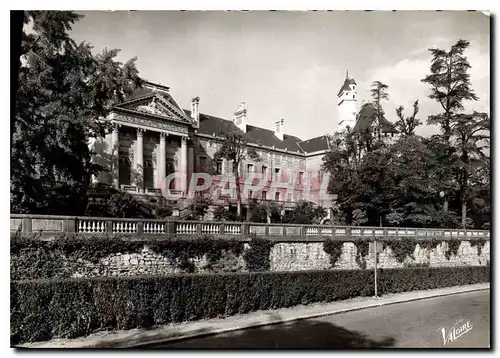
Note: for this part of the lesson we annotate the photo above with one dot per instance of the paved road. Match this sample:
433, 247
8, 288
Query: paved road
406, 325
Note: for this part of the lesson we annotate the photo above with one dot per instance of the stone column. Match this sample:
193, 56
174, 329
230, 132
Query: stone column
114, 156
139, 160
184, 162
160, 182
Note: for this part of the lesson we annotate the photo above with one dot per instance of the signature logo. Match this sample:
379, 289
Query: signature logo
457, 330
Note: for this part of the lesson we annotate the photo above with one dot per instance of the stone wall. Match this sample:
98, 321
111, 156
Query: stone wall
311, 256
283, 257
148, 262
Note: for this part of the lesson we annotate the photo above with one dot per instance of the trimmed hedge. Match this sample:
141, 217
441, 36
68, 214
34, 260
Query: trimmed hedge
69, 308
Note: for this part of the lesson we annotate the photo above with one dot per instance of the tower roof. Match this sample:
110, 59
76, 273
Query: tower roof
348, 81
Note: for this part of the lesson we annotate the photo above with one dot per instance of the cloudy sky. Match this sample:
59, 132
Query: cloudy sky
291, 64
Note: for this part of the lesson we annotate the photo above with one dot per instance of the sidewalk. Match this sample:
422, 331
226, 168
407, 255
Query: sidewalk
141, 337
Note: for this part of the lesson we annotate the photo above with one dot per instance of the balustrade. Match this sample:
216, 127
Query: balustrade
91, 226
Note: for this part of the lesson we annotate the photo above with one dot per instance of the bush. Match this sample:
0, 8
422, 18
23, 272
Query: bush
334, 249
257, 255
69, 308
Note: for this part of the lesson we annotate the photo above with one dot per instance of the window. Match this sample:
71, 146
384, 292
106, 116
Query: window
234, 167
301, 177
264, 195
277, 196
249, 168
264, 170
250, 194
276, 173
218, 168
353, 96
289, 197
392, 134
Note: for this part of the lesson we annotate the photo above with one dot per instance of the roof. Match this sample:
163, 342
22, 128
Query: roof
315, 144
345, 87
367, 115
210, 125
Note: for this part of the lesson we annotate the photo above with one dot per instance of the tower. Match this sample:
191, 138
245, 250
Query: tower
347, 103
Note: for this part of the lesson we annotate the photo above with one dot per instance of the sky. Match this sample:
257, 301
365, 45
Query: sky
291, 65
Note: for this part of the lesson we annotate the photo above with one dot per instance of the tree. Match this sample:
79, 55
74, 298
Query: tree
472, 139
197, 208
63, 92
450, 84
264, 211
379, 92
305, 213
235, 149
407, 125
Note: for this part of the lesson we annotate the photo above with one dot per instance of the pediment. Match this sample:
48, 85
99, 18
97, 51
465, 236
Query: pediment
158, 105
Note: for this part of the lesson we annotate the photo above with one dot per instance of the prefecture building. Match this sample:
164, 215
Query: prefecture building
152, 137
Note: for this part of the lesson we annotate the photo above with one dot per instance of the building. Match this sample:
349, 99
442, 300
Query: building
153, 138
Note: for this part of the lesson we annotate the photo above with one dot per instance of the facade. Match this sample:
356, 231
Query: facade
157, 150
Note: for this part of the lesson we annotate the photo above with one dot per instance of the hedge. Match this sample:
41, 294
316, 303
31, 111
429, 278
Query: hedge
69, 308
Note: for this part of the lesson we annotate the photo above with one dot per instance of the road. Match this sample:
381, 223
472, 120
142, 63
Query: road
414, 324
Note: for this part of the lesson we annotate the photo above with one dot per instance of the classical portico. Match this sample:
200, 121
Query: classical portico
148, 141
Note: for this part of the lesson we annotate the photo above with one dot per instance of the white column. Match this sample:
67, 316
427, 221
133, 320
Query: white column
139, 160
184, 160
114, 155
160, 181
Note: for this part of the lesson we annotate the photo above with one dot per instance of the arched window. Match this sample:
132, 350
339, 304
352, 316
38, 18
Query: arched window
124, 171
170, 168
148, 174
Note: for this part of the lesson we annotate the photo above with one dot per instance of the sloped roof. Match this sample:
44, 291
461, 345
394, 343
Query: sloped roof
367, 115
211, 125
345, 87
315, 144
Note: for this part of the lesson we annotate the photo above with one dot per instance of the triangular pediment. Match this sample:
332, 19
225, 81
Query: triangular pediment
157, 104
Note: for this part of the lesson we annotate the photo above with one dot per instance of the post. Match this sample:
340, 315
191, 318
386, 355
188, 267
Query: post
376, 256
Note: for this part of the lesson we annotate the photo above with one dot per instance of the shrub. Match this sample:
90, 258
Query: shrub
257, 255
334, 249
453, 246
402, 248
69, 308
479, 243
362, 246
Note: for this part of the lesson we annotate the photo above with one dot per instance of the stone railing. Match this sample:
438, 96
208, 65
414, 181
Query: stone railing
51, 226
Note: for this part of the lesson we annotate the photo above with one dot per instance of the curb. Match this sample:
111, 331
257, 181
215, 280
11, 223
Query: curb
256, 322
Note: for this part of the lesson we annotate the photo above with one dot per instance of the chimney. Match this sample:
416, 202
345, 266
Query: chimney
195, 113
279, 129
240, 117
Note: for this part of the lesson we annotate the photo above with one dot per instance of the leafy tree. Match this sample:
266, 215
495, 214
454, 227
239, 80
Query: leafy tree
63, 90
305, 213
235, 149
197, 208
379, 92
124, 205
223, 214
472, 139
264, 211
449, 83
407, 125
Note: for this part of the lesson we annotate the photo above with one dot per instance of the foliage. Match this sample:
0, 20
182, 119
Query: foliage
197, 208
223, 214
450, 84
407, 125
379, 92
305, 212
402, 248
453, 246
334, 249
257, 255
479, 243
362, 247
69, 308
63, 92
261, 211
